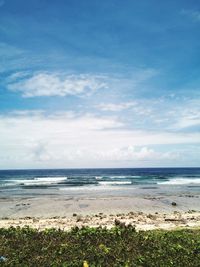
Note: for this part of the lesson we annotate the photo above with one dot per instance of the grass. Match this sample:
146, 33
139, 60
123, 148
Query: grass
119, 246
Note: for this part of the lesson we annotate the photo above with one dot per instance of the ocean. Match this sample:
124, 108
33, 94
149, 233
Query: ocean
126, 181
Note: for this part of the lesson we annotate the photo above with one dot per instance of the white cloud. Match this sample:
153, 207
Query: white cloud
12, 57
56, 84
116, 107
62, 84
17, 75
164, 114
34, 140
8, 51
39, 152
193, 14
133, 154
145, 74
26, 113
186, 122
185, 115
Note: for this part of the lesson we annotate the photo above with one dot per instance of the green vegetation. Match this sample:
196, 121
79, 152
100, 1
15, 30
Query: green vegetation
120, 246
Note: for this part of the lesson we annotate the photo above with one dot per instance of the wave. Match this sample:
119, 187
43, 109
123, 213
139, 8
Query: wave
87, 188
99, 177
117, 177
181, 181
38, 181
51, 179
114, 182
124, 176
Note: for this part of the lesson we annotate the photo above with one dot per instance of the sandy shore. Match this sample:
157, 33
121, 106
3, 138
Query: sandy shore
60, 212
140, 220
48, 206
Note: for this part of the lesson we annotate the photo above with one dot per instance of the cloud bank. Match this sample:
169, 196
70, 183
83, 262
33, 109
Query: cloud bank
70, 140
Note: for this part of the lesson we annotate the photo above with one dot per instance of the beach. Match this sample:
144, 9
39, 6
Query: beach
95, 217
144, 213
146, 198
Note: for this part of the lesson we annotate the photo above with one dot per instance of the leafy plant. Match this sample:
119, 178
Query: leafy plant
120, 246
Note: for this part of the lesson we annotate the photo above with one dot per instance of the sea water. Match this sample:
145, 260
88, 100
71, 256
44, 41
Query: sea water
126, 181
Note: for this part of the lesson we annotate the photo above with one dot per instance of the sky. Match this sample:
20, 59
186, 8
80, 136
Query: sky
99, 83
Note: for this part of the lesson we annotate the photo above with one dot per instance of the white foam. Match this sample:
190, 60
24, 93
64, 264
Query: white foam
40, 181
83, 188
50, 179
118, 177
124, 176
92, 188
7, 184
98, 177
114, 182
181, 181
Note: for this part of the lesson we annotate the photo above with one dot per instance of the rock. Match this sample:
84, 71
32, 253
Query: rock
79, 218
173, 203
152, 217
174, 220
120, 224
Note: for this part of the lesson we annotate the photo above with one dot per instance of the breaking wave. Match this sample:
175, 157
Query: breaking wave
181, 181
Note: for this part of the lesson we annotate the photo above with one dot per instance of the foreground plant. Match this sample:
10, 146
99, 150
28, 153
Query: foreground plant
89, 247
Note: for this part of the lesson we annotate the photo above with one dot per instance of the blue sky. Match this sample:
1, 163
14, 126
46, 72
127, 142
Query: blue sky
99, 83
